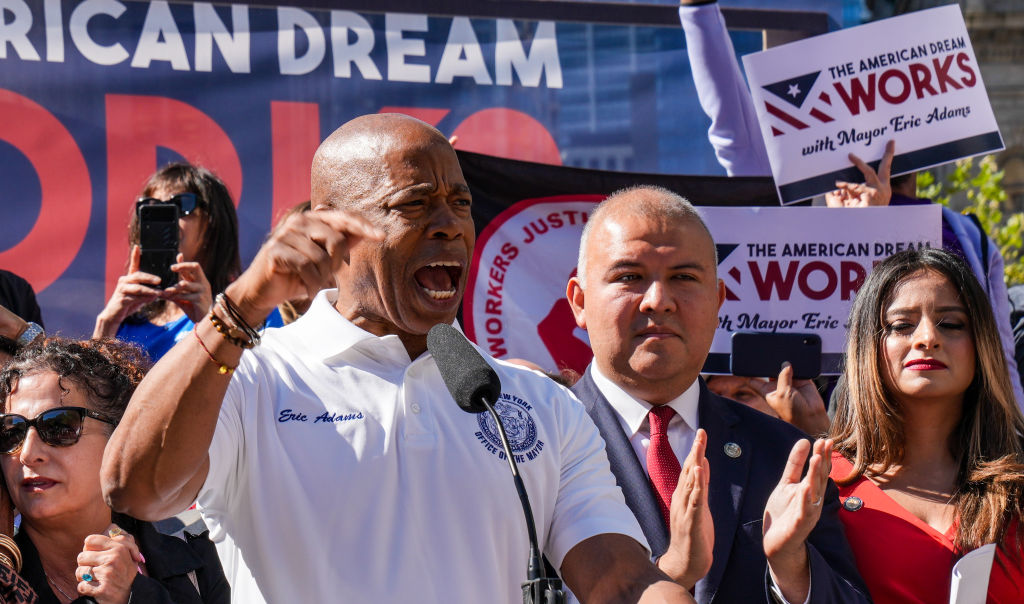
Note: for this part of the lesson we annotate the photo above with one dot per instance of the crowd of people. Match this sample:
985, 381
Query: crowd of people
329, 462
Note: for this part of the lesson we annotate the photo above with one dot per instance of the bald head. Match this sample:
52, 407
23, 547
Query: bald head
649, 202
350, 163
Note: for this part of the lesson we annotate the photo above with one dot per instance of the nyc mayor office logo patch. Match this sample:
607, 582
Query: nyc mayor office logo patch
520, 428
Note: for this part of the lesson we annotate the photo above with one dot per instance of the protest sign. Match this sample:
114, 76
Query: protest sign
798, 269
913, 79
785, 270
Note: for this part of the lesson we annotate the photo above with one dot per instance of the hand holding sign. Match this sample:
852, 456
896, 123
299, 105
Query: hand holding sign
913, 76
874, 191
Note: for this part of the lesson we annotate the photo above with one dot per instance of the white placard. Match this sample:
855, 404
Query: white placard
798, 269
969, 582
913, 79
786, 270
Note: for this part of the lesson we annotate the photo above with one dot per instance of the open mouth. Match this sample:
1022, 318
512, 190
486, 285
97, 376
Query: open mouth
440, 280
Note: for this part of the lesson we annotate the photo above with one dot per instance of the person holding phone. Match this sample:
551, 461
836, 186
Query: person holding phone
61, 400
794, 401
929, 442
207, 261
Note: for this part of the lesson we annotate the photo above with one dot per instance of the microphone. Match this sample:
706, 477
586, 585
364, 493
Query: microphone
475, 387
466, 374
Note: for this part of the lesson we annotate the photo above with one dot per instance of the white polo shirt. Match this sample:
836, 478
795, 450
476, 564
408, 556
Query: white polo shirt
341, 471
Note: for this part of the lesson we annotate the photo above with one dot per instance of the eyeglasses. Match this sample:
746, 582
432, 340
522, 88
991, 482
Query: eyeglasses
186, 202
59, 427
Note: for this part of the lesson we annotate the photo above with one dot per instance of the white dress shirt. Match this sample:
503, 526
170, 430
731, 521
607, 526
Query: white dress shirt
633, 417
682, 430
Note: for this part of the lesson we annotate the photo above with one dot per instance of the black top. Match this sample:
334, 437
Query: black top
16, 295
14, 589
169, 560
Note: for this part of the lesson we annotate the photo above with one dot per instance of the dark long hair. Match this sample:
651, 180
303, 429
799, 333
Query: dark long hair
987, 442
218, 255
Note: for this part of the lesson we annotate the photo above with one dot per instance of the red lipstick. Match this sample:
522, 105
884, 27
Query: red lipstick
924, 365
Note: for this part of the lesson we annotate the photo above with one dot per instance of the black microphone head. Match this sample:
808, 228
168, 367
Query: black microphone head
466, 374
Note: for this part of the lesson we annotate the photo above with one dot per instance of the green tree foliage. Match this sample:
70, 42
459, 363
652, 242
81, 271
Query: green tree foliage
982, 183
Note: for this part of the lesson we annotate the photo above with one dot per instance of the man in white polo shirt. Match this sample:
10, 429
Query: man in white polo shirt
331, 456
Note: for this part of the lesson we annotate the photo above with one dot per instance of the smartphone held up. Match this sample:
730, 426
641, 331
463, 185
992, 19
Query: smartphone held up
158, 241
761, 354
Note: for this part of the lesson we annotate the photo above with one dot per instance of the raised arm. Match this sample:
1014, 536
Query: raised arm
722, 91
11, 327
157, 459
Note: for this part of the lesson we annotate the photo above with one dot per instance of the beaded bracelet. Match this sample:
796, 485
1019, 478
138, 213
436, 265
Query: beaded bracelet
226, 332
236, 316
230, 322
221, 367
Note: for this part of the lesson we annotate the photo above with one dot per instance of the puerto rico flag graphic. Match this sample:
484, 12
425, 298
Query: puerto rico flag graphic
794, 92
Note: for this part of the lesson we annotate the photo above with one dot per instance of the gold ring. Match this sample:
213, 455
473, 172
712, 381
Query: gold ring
116, 531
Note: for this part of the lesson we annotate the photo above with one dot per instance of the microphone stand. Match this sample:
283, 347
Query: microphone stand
537, 589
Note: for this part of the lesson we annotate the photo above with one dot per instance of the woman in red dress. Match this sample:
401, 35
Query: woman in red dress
929, 441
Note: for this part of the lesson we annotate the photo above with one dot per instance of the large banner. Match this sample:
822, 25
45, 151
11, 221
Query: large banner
791, 269
913, 79
95, 95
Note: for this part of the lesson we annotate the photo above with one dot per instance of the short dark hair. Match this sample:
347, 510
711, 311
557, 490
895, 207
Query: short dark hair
652, 202
106, 370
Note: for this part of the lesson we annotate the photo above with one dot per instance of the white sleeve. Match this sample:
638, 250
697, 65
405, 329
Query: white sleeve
722, 92
589, 502
776, 591
226, 455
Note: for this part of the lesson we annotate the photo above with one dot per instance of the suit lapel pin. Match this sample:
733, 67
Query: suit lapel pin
852, 504
733, 450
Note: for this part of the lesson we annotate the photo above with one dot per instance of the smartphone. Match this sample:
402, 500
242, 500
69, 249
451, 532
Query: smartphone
158, 240
762, 353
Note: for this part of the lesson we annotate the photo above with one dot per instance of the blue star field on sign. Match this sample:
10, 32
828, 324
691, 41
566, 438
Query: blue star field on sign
794, 90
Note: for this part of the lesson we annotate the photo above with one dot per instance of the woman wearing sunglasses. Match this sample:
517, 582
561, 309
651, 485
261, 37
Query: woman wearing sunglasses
929, 441
61, 400
139, 311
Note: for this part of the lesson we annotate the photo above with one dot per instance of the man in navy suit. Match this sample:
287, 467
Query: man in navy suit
738, 519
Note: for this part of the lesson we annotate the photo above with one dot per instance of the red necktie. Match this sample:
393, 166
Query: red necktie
662, 463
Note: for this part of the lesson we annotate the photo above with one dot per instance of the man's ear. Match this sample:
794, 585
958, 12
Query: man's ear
721, 293
574, 292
